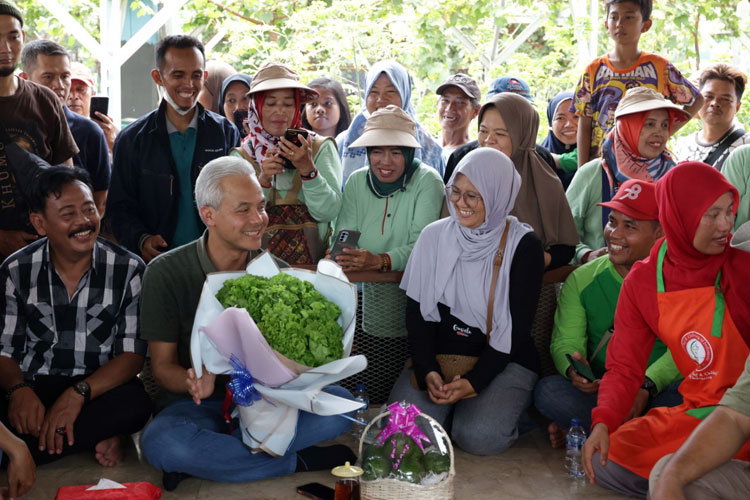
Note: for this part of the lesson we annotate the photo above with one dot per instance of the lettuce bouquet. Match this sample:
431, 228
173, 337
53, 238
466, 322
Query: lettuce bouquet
295, 319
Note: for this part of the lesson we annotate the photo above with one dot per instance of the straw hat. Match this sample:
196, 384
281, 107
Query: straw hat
388, 126
272, 76
638, 99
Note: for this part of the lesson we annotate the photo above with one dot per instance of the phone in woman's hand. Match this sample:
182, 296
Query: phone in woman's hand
345, 239
291, 136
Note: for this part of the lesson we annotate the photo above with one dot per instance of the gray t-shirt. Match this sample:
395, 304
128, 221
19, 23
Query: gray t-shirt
693, 148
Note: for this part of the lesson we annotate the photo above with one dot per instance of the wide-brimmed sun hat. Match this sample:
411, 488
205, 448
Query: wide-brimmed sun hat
388, 126
639, 99
272, 76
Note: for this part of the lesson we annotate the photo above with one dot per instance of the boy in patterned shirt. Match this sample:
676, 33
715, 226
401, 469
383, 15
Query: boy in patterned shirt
607, 78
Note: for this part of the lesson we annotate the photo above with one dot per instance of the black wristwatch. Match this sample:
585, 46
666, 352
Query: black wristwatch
84, 389
650, 386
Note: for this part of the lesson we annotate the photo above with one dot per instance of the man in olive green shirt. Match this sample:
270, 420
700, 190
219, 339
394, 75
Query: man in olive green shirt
190, 436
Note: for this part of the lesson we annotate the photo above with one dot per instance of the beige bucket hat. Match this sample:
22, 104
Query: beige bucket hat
638, 99
272, 76
389, 126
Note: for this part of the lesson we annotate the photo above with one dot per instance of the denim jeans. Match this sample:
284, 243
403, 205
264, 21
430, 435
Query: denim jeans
557, 399
185, 437
486, 424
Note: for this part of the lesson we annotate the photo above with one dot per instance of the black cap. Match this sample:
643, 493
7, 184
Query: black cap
9, 8
464, 82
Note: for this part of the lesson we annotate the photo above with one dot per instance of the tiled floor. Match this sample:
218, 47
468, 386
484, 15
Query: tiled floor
529, 470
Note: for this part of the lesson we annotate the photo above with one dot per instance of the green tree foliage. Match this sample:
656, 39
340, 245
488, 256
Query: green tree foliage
433, 38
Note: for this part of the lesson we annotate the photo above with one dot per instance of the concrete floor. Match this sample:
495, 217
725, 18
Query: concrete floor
529, 470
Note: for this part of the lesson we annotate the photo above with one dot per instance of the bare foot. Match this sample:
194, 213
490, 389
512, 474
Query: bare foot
109, 451
556, 435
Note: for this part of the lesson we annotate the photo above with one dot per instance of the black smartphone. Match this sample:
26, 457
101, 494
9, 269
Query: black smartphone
240, 115
345, 239
99, 103
581, 369
291, 136
316, 491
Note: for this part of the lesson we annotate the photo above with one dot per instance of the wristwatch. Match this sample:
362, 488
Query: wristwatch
650, 386
84, 389
312, 175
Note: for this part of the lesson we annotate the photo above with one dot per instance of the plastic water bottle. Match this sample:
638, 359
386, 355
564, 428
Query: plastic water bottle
573, 443
360, 394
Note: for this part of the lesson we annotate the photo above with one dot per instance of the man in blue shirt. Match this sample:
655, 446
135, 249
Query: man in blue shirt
157, 158
47, 63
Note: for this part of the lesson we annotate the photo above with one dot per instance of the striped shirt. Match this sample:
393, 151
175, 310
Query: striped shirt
50, 333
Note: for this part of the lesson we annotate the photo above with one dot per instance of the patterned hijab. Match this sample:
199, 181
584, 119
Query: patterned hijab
621, 158
258, 141
541, 201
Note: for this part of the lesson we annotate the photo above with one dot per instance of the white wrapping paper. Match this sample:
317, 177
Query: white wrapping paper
270, 424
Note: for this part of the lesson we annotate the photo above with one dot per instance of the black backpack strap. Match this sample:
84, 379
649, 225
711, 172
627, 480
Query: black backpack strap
727, 141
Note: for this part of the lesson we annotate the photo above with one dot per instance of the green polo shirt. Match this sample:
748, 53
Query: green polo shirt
183, 148
585, 313
172, 286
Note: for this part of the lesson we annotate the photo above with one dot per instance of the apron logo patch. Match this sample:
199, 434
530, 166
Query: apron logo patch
699, 349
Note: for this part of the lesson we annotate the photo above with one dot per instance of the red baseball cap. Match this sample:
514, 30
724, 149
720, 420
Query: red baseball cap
636, 199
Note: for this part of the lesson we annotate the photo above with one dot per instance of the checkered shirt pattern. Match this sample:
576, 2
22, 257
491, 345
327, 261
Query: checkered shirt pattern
49, 333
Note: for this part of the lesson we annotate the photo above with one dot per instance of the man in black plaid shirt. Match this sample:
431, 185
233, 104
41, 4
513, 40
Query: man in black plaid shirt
70, 347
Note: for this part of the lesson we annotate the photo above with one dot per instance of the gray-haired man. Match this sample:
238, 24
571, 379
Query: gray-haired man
233, 208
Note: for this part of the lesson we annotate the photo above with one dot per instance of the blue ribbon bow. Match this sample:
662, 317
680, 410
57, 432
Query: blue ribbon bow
241, 382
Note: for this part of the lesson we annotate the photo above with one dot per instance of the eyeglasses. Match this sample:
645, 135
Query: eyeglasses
471, 199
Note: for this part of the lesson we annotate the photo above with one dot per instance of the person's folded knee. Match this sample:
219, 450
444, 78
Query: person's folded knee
482, 445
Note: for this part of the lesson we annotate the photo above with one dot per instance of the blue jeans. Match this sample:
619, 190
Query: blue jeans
487, 424
185, 437
557, 399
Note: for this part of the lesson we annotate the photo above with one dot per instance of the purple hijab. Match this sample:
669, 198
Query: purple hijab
450, 260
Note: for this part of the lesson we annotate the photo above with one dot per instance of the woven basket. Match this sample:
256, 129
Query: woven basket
393, 489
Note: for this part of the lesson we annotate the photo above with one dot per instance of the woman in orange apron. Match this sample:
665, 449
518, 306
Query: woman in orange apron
688, 294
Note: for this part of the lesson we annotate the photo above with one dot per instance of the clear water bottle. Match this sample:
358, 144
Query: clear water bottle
573, 443
360, 394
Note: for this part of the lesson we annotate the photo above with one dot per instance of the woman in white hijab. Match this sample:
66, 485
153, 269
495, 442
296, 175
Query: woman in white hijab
472, 282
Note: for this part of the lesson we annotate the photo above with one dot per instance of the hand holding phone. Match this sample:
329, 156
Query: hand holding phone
581, 368
345, 239
291, 136
98, 103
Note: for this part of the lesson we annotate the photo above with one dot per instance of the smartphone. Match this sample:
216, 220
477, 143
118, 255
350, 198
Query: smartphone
291, 136
316, 491
240, 115
581, 369
345, 239
99, 103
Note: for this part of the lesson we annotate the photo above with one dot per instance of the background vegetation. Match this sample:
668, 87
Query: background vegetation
432, 38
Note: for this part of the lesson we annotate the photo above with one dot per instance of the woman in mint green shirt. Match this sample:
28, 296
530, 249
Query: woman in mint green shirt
389, 201
300, 174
